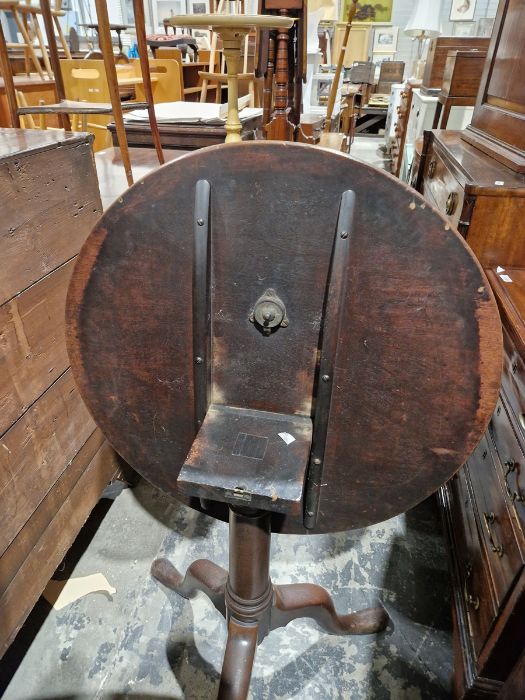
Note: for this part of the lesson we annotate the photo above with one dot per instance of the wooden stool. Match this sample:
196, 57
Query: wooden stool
296, 344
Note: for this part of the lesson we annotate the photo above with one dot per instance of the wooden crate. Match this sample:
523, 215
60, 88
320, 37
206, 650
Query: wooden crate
54, 462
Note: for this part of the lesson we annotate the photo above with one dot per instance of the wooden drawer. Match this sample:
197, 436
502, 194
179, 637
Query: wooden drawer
504, 556
475, 582
513, 382
511, 457
443, 188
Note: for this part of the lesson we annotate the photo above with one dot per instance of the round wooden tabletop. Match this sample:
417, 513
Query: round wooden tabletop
418, 354
219, 22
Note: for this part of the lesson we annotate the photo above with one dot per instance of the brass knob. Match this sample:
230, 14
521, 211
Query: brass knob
269, 312
431, 168
452, 201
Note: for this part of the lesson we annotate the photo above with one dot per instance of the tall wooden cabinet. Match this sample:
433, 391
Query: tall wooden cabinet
54, 462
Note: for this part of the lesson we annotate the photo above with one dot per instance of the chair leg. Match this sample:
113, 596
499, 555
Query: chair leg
140, 28
104, 36
62, 38
27, 41
42, 44
9, 85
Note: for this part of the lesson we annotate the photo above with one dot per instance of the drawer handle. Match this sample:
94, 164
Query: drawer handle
452, 202
431, 168
470, 600
510, 465
489, 519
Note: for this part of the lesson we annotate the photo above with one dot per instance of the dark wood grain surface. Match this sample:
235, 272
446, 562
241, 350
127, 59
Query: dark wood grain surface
419, 356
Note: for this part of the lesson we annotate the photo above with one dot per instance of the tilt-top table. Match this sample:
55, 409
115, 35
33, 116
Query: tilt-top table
281, 336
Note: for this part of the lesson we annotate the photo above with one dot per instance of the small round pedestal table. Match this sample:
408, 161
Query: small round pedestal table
232, 29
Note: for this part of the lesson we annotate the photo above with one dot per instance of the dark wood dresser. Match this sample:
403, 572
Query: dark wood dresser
484, 514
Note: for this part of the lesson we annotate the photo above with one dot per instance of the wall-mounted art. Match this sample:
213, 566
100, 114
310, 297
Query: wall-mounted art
385, 39
462, 10
379, 11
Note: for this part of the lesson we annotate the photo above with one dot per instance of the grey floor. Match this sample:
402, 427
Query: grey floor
146, 642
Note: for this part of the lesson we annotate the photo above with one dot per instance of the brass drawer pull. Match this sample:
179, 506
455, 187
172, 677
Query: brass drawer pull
489, 519
431, 168
470, 600
510, 465
452, 202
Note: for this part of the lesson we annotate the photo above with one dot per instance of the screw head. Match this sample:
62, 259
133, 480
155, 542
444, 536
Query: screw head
200, 222
325, 377
198, 360
344, 234
317, 460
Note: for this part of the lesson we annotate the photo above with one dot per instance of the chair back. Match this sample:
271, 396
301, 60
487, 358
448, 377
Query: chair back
168, 86
86, 81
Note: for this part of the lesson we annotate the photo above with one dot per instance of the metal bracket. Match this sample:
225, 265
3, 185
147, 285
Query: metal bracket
201, 302
333, 306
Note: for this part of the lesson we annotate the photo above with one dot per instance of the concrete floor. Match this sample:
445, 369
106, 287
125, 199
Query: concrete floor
146, 642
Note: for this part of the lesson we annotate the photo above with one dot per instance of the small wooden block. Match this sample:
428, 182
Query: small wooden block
247, 457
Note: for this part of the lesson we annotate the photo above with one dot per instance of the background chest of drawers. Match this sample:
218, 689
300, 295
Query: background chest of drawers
484, 513
484, 199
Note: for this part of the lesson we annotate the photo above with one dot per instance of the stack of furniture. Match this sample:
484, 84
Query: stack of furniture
417, 112
64, 107
461, 79
437, 58
476, 178
54, 462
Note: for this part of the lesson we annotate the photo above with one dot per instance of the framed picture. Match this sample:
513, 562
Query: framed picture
464, 29
378, 58
380, 11
462, 10
203, 38
199, 7
385, 39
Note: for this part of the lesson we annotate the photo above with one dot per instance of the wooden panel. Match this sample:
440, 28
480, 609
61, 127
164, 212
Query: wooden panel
498, 122
37, 449
357, 45
21, 547
50, 201
475, 584
511, 456
493, 231
443, 187
504, 555
513, 382
32, 344
26, 586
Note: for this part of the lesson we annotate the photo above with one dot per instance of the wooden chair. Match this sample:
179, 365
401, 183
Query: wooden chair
220, 77
25, 17
65, 107
168, 86
86, 81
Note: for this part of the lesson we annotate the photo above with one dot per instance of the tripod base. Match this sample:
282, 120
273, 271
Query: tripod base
252, 605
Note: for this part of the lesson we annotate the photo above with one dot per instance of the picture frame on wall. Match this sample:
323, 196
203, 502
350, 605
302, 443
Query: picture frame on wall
462, 10
464, 29
380, 11
199, 7
385, 39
